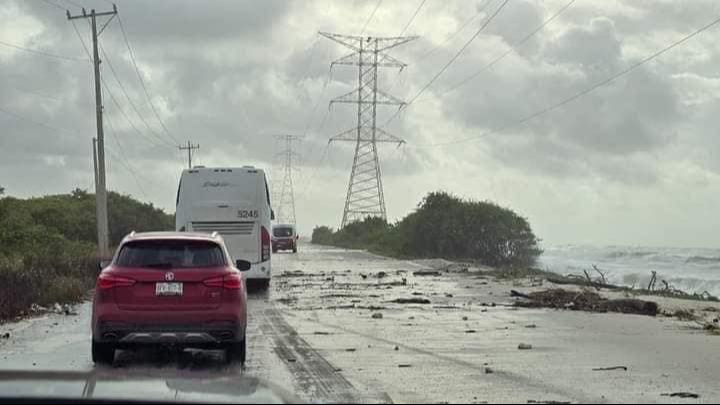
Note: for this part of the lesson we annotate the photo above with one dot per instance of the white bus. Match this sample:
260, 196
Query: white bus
235, 202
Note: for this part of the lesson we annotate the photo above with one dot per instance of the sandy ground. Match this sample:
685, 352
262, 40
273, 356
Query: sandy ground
460, 348
314, 334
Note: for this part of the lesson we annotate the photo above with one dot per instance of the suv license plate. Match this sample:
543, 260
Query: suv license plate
169, 289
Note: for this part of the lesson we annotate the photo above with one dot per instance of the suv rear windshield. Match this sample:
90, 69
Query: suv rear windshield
171, 253
283, 232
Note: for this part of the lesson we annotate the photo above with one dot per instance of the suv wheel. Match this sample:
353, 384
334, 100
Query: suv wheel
102, 353
237, 352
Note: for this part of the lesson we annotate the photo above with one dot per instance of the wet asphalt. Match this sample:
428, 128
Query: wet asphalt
343, 326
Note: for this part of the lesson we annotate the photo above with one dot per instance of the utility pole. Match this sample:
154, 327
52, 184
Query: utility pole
101, 184
190, 148
95, 165
286, 204
365, 196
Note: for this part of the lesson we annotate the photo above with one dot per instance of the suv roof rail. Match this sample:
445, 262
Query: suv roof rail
132, 234
214, 235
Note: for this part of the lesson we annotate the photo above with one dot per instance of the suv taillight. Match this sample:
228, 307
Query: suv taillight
264, 244
231, 282
107, 281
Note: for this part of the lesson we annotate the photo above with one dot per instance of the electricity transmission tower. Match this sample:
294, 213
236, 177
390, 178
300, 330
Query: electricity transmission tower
365, 195
286, 198
100, 178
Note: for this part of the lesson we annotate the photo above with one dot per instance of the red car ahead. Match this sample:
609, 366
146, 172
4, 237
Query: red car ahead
178, 289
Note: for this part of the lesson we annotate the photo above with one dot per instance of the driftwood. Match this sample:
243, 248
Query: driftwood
584, 301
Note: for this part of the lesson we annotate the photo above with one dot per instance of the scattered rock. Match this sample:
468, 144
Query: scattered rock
322, 333
470, 331
364, 276
523, 346
417, 293
532, 326
397, 348
412, 318
291, 360
488, 370
484, 310
448, 295
377, 316
6, 335
493, 305
464, 318
351, 350
404, 365
381, 274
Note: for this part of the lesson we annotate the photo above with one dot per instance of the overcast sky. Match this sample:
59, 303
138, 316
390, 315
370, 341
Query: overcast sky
634, 162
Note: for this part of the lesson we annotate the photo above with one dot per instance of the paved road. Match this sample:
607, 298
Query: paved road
318, 333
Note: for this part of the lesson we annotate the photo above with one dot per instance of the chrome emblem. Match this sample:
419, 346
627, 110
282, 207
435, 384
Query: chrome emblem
169, 276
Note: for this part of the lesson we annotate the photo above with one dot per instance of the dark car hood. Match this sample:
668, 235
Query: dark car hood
141, 386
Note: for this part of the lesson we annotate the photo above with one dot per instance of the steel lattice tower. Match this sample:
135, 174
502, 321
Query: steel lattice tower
365, 195
286, 197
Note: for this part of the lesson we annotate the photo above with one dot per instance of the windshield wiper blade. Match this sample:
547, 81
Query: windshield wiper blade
158, 265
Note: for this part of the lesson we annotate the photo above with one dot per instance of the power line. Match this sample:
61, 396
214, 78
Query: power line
588, 89
76, 4
450, 62
127, 118
372, 15
115, 101
54, 4
42, 53
124, 160
459, 30
142, 82
127, 96
460, 52
417, 10
32, 121
521, 42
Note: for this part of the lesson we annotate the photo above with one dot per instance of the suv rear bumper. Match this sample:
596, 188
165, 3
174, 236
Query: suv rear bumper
208, 335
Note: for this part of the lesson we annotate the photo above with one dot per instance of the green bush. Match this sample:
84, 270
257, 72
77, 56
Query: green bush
444, 226
48, 245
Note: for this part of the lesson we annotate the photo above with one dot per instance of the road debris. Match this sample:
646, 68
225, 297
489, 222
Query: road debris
447, 295
423, 301
683, 395
471, 331
583, 301
351, 350
524, 346
464, 318
397, 348
488, 370
531, 326
404, 365
377, 316
611, 368
427, 273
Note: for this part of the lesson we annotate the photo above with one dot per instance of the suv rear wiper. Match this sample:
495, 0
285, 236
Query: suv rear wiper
159, 265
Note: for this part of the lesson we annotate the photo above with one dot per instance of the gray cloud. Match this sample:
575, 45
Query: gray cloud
229, 74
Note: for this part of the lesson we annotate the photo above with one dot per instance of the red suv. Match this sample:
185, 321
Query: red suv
177, 289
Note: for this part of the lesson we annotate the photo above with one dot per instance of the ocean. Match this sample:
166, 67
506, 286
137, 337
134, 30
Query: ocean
690, 270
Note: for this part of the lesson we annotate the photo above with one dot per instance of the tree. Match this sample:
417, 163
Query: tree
2, 190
